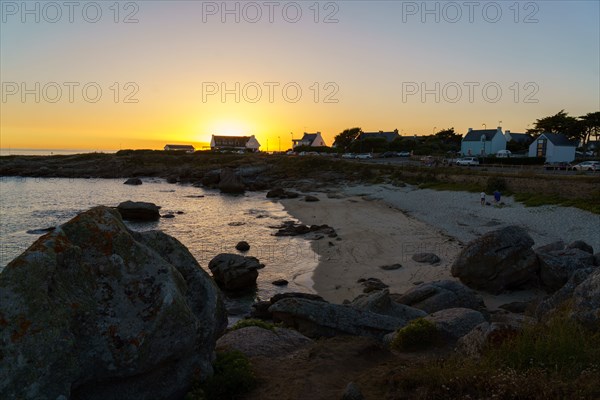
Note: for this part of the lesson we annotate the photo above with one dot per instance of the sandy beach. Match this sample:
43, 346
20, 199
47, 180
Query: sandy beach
381, 225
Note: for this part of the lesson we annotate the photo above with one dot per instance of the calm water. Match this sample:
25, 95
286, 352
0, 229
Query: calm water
210, 225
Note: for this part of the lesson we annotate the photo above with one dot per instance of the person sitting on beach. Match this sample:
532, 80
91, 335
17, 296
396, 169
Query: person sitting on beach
497, 196
483, 198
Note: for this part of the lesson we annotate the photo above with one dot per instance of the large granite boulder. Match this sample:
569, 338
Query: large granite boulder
379, 302
321, 319
551, 304
497, 261
229, 182
454, 323
139, 211
586, 302
557, 266
95, 311
254, 341
440, 295
235, 272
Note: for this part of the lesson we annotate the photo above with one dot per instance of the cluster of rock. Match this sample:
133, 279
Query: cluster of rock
93, 310
291, 228
505, 260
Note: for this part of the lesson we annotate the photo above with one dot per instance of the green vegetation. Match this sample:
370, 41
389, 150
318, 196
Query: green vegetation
244, 323
540, 199
557, 360
419, 334
233, 377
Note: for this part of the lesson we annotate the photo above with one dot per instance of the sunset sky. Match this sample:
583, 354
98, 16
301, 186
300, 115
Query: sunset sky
148, 73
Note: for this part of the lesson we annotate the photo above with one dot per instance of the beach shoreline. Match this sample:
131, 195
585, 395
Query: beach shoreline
381, 225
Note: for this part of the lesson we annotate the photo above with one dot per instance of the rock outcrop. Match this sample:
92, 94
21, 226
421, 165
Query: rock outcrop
229, 182
454, 323
95, 311
557, 266
254, 341
380, 302
440, 295
321, 319
138, 211
235, 272
133, 181
586, 302
497, 261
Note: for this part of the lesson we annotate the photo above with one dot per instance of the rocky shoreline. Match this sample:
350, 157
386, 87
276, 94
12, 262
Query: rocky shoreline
94, 310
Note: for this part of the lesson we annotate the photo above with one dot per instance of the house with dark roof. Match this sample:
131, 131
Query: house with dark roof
388, 136
244, 143
483, 142
310, 140
179, 147
556, 147
521, 138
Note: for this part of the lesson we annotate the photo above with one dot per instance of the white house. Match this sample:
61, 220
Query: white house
179, 147
483, 142
554, 146
245, 143
310, 139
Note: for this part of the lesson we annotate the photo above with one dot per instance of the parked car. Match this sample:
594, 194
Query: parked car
467, 161
587, 166
558, 166
364, 156
389, 154
404, 154
348, 155
503, 153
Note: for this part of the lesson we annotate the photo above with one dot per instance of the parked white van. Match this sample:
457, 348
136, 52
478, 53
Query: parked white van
503, 153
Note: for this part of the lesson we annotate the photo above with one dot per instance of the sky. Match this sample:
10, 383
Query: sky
109, 75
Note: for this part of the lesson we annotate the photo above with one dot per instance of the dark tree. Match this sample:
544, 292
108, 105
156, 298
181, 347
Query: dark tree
345, 139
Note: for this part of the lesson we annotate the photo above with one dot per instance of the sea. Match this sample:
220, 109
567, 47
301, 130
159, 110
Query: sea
206, 221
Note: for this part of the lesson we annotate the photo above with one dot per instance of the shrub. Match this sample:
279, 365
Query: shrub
419, 334
233, 377
495, 183
252, 322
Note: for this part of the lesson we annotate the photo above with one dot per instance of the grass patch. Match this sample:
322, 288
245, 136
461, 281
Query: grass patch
233, 377
419, 334
452, 186
244, 323
539, 199
556, 360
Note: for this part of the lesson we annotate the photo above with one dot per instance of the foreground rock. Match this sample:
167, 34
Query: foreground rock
439, 295
105, 313
455, 323
557, 266
497, 261
320, 319
553, 303
229, 182
380, 302
139, 211
235, 272
586, 302
254, 341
